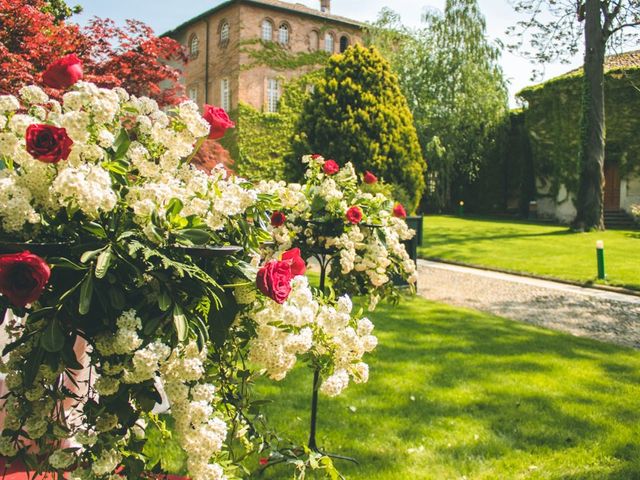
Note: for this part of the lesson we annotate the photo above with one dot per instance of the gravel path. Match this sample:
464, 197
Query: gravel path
607, 316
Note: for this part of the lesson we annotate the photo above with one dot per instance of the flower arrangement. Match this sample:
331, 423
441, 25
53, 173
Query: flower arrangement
135, 292
335, 211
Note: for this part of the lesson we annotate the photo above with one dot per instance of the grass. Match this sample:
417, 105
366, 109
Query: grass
456, 394
525, 247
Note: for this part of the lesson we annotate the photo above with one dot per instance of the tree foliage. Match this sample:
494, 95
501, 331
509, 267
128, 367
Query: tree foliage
32, 37
358, 113
450, 75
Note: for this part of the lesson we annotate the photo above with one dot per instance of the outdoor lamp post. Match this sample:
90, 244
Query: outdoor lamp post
600, 258
461, 208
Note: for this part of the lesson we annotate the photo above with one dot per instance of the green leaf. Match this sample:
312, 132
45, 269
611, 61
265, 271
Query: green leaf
220, 319
95, 229
174, 207
90, 255
117, 298
61, 262
180, 322
115, 167
164, 301
104, 262
122, 143
195, 236
52, 338
86, 293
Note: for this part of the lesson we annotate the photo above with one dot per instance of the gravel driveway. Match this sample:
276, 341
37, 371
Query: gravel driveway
607, 316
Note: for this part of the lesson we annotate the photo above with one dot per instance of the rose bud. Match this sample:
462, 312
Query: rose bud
369, 178
274, 280
399, 211
298, 265
354, 214
278, 219
330, 167
264, 461
63, 73
219, 121
23, 277
47, 143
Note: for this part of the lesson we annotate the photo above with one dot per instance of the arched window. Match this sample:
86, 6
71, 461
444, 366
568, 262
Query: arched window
313, 40
283, 34
344, 43
224, 32
194, 46
267, 30
328, 42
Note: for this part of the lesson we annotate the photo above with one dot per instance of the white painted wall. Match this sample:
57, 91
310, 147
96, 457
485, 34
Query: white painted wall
630, 192
561, 208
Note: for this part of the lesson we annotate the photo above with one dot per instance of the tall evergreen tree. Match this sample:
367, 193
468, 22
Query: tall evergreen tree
555, 29
358, 113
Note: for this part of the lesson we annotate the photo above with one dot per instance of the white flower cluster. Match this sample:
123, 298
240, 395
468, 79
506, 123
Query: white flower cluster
302, 325
200, 432
99, 123
371, 249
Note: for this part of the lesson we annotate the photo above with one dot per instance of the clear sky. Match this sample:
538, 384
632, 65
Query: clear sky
164, 15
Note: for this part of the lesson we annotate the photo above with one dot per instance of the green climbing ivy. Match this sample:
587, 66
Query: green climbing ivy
552, 123
279, 57
263, 140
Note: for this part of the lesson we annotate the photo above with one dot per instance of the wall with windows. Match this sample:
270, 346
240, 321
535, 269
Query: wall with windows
261, 86
233, 75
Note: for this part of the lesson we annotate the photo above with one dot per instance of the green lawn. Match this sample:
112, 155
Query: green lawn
457, 394
547, 250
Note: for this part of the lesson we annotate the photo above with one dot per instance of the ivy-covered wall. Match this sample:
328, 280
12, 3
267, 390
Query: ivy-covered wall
261, 140
552, 125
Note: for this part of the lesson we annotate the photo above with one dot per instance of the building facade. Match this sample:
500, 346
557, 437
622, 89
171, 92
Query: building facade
225, 45
552, 126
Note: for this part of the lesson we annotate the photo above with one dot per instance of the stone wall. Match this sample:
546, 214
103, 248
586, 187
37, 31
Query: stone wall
233, 60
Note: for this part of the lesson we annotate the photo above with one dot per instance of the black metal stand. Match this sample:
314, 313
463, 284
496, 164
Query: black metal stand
324, 258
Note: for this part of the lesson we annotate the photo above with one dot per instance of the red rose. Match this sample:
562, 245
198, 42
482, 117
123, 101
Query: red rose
399, 211
264, 461
23, 277
369, 178
219, 121
63, 73
354, 214
278, 219
316, 156
47, 143
274, 280
330, 167
298, 265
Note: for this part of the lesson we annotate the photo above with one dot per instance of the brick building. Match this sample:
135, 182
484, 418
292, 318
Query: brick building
222, 44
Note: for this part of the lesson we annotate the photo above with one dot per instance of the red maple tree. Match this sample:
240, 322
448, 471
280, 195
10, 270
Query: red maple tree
131, 56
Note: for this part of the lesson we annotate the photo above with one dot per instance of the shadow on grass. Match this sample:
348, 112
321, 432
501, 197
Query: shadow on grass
441, 374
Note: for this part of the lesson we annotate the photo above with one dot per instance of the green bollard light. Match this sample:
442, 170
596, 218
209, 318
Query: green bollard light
600, 257
461, 208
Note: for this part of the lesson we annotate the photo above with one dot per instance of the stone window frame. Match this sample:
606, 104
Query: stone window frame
194, 41
286, 25
332, 35
348, 38
192, 92
271, 23
272, 96
223, 26
312, 47
225, 94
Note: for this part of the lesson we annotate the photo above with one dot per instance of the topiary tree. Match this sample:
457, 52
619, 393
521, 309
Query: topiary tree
358, 113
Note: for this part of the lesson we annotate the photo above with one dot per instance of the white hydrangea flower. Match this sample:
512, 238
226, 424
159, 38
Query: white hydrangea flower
33, 95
